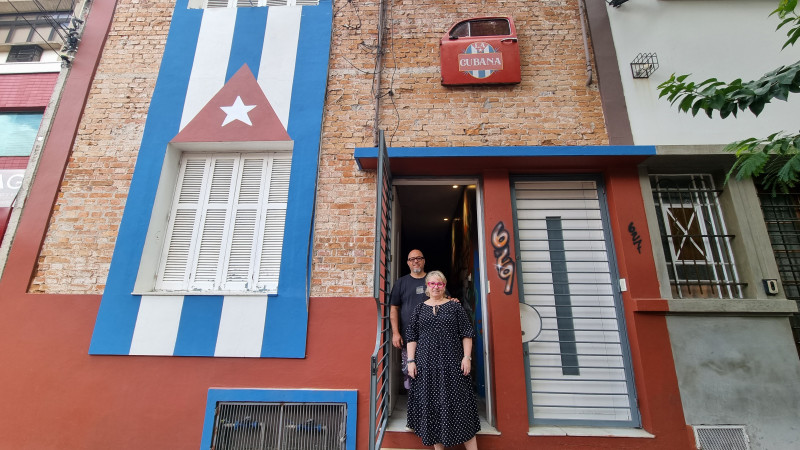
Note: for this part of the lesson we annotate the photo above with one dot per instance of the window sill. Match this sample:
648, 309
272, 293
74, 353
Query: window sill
30, 67
735, 306
551, 430
773, 307
270, 293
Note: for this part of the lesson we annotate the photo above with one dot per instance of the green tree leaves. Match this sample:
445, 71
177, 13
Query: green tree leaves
786, 12
776, 158
728, 98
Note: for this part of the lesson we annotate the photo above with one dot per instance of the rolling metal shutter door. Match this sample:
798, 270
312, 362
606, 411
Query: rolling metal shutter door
578, 366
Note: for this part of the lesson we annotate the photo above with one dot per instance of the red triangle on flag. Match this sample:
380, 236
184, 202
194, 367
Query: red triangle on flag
239, 112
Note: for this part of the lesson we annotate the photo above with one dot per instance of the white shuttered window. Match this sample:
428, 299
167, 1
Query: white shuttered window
226, 223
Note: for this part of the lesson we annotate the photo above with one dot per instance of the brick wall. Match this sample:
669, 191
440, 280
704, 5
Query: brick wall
552, 106
80, 240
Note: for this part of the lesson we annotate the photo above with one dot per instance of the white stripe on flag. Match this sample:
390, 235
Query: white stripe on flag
278, 58
210, 60
241, 327
157, 325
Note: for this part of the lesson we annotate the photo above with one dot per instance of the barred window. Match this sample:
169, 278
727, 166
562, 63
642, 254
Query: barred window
782, 219
279, 426
24, 53
693, 234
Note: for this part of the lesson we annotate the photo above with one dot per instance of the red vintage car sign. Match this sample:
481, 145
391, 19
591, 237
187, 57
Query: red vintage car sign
480, 51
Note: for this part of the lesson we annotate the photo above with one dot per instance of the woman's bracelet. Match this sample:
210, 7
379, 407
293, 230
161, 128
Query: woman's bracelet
468, 357
410, 361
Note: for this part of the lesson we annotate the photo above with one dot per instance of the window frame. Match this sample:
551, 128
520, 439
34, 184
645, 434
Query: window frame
467, 25
147, 278
24, 141
265, 205
728, 284
34, 25
218, 4
24, 53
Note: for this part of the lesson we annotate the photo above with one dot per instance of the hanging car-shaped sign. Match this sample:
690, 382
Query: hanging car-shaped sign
480, 51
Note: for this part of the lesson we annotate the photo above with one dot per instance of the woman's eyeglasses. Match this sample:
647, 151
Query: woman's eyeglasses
435, 284
416, 258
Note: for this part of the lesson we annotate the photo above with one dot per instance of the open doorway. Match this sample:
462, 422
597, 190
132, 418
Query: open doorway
441, 218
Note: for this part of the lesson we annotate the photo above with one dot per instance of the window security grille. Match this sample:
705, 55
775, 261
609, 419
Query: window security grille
24, 53
721, 437
696, 244
782, 218
279, 426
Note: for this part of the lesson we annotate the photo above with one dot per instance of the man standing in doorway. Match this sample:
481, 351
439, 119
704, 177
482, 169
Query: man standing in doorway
408, 291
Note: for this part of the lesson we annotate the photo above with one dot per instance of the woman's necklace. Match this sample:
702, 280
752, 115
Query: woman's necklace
437, 305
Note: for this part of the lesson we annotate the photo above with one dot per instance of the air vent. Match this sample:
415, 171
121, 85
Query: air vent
721, 437
279, 426
24, 53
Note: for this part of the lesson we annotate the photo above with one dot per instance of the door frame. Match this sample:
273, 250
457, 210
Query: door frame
483, 272
622, 327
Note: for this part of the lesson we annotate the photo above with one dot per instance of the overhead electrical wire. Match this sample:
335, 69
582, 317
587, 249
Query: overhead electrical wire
33, 27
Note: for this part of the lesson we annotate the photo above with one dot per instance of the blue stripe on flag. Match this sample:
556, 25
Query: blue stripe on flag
285, 329
116, 318
248, 40
197, 332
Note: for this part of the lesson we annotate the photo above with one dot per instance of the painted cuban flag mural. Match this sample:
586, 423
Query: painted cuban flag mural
212, 253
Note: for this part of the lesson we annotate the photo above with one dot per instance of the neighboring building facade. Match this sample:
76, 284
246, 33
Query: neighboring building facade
206, 273
717, 244
32, 34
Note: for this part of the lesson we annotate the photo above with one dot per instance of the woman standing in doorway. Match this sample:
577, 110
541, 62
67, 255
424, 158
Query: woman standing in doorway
441, 402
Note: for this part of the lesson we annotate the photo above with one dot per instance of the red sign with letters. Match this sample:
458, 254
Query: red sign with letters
480, 51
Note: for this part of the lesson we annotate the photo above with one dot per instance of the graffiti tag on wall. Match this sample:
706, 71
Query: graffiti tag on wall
637, 239
505, 265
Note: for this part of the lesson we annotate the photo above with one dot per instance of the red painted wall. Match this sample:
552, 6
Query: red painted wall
654, 371
59, 397
26, 90
5, 215
14, 162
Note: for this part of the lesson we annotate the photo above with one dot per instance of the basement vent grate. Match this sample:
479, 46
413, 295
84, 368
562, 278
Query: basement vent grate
279, 426
721, 437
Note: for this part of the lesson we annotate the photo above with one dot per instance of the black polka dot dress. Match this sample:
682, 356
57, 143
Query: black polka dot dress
441, 402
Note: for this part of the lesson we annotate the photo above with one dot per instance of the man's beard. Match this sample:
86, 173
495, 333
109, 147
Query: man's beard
416, 270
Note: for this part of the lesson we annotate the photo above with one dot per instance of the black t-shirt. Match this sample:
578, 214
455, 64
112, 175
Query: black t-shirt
407, 293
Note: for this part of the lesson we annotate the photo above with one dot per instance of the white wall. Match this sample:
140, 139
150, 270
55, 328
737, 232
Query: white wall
50, 62
724, 39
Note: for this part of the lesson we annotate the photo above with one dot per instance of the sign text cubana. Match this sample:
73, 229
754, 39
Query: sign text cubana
480, 61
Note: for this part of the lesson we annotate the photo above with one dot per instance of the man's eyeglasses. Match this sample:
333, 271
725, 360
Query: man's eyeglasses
416, 258
435, 284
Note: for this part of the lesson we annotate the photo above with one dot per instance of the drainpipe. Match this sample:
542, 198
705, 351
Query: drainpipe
378, 72
582, 10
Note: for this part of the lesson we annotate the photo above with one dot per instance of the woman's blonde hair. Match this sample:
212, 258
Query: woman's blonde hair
434, 274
